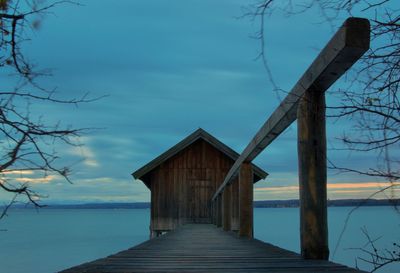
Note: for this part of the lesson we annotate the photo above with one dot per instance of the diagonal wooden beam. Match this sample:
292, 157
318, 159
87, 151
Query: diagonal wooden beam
349, 43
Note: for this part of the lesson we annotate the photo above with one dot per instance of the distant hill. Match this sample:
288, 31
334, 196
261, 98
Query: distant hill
136, 205
331, 203
257, 204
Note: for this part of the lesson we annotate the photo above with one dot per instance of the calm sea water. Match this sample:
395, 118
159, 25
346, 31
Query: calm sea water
51, 240
281, 227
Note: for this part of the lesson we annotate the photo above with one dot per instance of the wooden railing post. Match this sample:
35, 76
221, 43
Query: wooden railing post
219, 210
306, 102
215, 211
227, 207
349, 43
312, 175
246, 200
235, 206
212, 214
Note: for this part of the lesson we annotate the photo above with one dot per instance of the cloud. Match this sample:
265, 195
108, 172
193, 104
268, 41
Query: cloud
352, 191
278, 189
89, 158
17, 172
177, 71
362, 185
27, 176
43, 180
96, 180
96, 189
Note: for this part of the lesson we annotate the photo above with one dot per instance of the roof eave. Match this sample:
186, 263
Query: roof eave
199, 133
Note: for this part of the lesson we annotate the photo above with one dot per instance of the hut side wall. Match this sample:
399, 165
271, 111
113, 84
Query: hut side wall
182, 187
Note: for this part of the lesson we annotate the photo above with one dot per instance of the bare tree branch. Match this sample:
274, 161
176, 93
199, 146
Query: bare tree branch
370, 101
28, 144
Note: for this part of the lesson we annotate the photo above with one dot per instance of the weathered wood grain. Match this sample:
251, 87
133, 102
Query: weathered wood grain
219, 210
182, 186
246, 201
206, 248
227, 208
311, 141
189, 161
235, 206
183, 180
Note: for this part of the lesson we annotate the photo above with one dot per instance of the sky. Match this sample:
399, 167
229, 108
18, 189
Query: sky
164, 69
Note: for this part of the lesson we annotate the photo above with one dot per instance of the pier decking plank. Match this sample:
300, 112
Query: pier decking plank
205, 248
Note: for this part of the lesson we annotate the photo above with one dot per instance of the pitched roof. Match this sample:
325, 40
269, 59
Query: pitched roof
196, 135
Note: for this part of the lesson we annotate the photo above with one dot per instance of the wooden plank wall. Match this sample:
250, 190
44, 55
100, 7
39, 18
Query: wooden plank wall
182, 186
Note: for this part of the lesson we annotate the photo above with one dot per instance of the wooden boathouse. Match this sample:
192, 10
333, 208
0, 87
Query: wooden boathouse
201, 180
183, 180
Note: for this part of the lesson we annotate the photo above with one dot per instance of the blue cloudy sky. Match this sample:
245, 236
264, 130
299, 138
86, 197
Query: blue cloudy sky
168, 68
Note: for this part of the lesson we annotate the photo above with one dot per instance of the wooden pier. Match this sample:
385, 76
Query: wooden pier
201, 181
205, 248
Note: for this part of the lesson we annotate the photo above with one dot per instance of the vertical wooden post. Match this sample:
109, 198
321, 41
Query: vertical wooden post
227, 207
215, 212
152, 233
246, 200
235, 205
152, 211
312, 175
219, 211
211, 212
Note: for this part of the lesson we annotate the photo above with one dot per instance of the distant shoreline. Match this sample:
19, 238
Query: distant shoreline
257, 204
